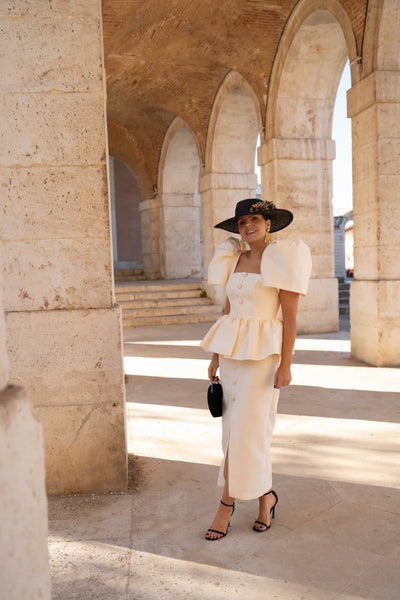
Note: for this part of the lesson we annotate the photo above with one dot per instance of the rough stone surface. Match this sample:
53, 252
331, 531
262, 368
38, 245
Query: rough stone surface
4, 362
64, 335
374, 309
24, 568
70, 364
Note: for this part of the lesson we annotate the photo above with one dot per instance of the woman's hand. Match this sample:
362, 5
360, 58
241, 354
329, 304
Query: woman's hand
282, 377
213, 367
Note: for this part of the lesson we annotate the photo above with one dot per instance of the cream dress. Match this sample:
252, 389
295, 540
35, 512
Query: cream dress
248, 342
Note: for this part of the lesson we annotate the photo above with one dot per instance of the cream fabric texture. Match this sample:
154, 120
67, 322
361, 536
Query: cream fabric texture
249, 342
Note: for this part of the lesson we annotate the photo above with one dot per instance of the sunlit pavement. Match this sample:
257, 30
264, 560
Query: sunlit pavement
336, 470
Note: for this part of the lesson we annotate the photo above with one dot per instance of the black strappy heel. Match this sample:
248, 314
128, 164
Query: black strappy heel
272, 513
221, 533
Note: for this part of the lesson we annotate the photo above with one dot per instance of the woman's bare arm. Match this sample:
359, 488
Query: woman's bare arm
289, 302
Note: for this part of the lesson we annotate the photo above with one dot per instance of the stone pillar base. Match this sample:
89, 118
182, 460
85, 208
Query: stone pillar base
318, 311
70, 363
24, 567
375, 322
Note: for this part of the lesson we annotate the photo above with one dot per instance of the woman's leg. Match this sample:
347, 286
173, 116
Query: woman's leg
266, 503
223, 515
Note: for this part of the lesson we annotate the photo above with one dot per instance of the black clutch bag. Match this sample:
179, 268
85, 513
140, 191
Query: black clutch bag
214, 398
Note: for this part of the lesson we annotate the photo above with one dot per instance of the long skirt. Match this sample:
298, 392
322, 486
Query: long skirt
249, 414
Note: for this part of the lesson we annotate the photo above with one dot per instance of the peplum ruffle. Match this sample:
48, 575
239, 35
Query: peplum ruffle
244, 338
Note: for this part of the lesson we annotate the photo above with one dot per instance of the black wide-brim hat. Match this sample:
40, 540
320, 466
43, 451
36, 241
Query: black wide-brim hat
279, 217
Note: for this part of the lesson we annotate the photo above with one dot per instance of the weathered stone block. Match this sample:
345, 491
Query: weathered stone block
24, 568
389, 156
71, 364
229, 181
57, 274
42, 8
378, 87
71, 129
303, 123
318, 311
51, 202
45, 53
4, 363
296, 149
84, 449
375, 321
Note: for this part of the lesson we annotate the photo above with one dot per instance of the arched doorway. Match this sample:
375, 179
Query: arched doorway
125, 218
180, 210
229, 173
296, 157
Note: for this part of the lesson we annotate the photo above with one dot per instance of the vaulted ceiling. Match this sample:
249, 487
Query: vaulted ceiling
168, 57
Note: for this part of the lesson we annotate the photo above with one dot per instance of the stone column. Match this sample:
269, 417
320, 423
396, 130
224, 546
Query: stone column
220, 193
297, 174
64, 331
180, 244
374, 105
149, 216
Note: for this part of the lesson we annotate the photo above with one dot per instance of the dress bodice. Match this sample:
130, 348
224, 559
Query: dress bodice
249, 298
252, 331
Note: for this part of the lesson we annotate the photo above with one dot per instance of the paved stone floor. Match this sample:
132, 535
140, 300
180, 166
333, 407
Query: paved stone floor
336, 534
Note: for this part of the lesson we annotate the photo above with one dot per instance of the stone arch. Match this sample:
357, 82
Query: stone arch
234, 119
381, 48
179, 204
321, 15
122, 146
296, 157
229, 176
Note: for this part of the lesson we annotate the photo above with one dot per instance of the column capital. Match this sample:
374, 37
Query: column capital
296, 149
230, 181
379, 86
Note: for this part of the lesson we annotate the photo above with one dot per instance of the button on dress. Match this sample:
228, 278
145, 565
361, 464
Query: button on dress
248, 341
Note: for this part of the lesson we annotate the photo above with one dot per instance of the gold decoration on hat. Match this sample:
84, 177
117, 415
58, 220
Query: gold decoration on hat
262, 205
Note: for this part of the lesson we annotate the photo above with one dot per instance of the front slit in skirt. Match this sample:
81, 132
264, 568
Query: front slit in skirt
249, 415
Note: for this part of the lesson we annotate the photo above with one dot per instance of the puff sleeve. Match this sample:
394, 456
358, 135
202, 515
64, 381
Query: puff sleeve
223, 261
286, 265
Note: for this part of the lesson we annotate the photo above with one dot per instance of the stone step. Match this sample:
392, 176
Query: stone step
134, 313
129, 275
169, 320
123, 296
162, 302
155, 286
130, 278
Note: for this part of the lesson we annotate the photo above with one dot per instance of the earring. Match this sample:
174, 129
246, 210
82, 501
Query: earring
267, 238
243, 246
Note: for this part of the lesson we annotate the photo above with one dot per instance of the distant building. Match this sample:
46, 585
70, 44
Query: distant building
343, 241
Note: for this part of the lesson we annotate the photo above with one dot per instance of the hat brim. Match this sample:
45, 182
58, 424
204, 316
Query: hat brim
280, 218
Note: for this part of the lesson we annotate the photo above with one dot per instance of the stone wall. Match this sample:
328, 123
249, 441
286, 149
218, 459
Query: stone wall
64, 333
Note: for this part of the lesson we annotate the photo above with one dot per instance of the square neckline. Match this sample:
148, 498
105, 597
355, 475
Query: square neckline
234, 272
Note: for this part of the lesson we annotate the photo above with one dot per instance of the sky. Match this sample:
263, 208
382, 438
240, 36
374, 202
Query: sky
341, 132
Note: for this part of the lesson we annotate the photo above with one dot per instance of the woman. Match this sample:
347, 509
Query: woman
253, 349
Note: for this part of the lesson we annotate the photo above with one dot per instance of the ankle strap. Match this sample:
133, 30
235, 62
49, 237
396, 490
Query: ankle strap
225, 504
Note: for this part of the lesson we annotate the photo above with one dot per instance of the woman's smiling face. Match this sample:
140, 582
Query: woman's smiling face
253, 227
